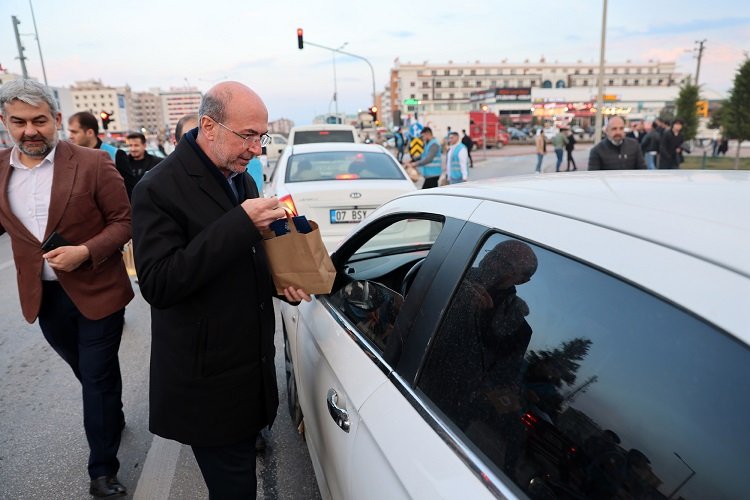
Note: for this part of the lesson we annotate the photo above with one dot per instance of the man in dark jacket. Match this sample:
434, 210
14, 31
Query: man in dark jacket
467, 141
197, 219
650, 143
616, 152
140, 160
670, 148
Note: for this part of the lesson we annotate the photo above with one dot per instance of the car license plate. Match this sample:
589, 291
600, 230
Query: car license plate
348, 215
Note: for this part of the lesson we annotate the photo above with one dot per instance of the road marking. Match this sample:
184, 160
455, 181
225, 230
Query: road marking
158, 470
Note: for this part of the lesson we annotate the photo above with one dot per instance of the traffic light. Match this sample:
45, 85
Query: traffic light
300, 45
106, 118
374, 113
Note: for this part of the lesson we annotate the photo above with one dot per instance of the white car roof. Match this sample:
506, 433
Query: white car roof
318, 147
702, 213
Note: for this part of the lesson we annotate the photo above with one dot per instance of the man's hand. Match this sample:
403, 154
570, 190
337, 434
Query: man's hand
263, 211
67, 258
296, 294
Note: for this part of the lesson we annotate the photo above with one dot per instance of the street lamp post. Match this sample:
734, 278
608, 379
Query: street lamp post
335, 84
38, 43
600, 93
372, 70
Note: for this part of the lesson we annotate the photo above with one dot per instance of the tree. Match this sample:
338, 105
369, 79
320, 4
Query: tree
685, 109
547, 371
736, 114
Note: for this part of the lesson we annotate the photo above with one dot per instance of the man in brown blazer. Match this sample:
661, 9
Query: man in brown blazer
77, 286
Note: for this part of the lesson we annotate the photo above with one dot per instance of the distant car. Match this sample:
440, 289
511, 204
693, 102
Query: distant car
517, 134
561, 336
276, 146
307, 134
337, 184
155, 152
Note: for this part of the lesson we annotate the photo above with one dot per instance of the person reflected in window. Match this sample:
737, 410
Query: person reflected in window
480, 350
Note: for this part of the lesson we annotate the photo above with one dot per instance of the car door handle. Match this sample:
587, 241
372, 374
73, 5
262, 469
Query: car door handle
339, 415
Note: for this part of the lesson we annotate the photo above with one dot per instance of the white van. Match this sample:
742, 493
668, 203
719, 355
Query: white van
306, 134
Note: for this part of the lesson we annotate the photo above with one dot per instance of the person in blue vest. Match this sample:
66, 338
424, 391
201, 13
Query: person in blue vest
400, 143
429, 164
457, 160
83, 130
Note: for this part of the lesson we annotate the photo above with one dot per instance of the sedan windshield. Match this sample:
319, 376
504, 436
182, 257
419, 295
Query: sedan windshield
342, 165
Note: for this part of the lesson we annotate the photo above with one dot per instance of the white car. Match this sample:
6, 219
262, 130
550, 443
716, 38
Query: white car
307, 134
562, 336
276, 146
337, 184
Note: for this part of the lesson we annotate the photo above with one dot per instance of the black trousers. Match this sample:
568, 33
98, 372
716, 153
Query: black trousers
430, 182
90, 348
229, 471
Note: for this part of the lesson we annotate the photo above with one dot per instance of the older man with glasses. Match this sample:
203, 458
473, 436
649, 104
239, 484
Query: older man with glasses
197, 219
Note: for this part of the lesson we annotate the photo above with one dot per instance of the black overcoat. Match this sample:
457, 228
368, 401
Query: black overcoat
202, 268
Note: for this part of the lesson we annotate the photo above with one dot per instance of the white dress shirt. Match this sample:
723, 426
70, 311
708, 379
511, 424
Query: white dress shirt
29, 192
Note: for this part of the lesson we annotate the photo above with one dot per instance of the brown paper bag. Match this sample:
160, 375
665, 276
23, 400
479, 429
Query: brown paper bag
299, 260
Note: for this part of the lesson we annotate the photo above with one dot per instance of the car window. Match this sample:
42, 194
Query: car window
314, 136
379, 274
342, 165
576, 384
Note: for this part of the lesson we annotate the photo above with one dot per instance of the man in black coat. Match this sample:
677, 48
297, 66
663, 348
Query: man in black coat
670, 148
616, 152
141, 161
196, 230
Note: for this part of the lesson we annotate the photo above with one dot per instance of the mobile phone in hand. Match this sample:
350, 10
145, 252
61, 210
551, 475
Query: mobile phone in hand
54, 241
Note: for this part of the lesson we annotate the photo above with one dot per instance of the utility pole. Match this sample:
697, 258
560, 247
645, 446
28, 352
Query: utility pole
20, 57
700, 55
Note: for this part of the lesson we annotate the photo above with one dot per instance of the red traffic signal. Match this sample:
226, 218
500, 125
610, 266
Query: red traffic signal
300, 45
106, 118
374, 113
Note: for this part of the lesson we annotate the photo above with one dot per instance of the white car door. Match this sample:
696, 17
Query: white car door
335, 377
398, 455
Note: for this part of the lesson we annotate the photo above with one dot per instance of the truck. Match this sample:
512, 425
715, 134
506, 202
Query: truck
473, 122
496, 133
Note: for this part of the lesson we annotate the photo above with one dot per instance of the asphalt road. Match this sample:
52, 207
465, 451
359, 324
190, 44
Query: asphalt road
43, 449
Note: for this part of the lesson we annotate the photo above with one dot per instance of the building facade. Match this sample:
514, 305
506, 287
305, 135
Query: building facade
95, 97
178, 102
145, 112
280, 126
521, 91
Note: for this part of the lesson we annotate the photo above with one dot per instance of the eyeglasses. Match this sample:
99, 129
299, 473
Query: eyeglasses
263, 139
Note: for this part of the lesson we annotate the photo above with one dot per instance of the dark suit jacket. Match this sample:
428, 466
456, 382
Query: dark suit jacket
202, 268
88, 206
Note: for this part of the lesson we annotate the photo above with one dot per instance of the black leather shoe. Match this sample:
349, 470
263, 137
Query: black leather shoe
107, 487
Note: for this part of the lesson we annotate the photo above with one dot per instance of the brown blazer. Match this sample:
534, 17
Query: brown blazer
88, 206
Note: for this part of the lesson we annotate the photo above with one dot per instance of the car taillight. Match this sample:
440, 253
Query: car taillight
288, 202
529, 420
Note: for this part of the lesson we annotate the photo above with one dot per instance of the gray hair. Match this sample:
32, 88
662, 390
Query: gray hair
213, 105
30, 92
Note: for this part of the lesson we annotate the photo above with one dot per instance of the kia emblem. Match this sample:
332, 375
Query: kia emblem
355, 195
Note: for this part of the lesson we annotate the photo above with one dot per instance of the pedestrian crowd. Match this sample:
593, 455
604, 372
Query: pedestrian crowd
195, 219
